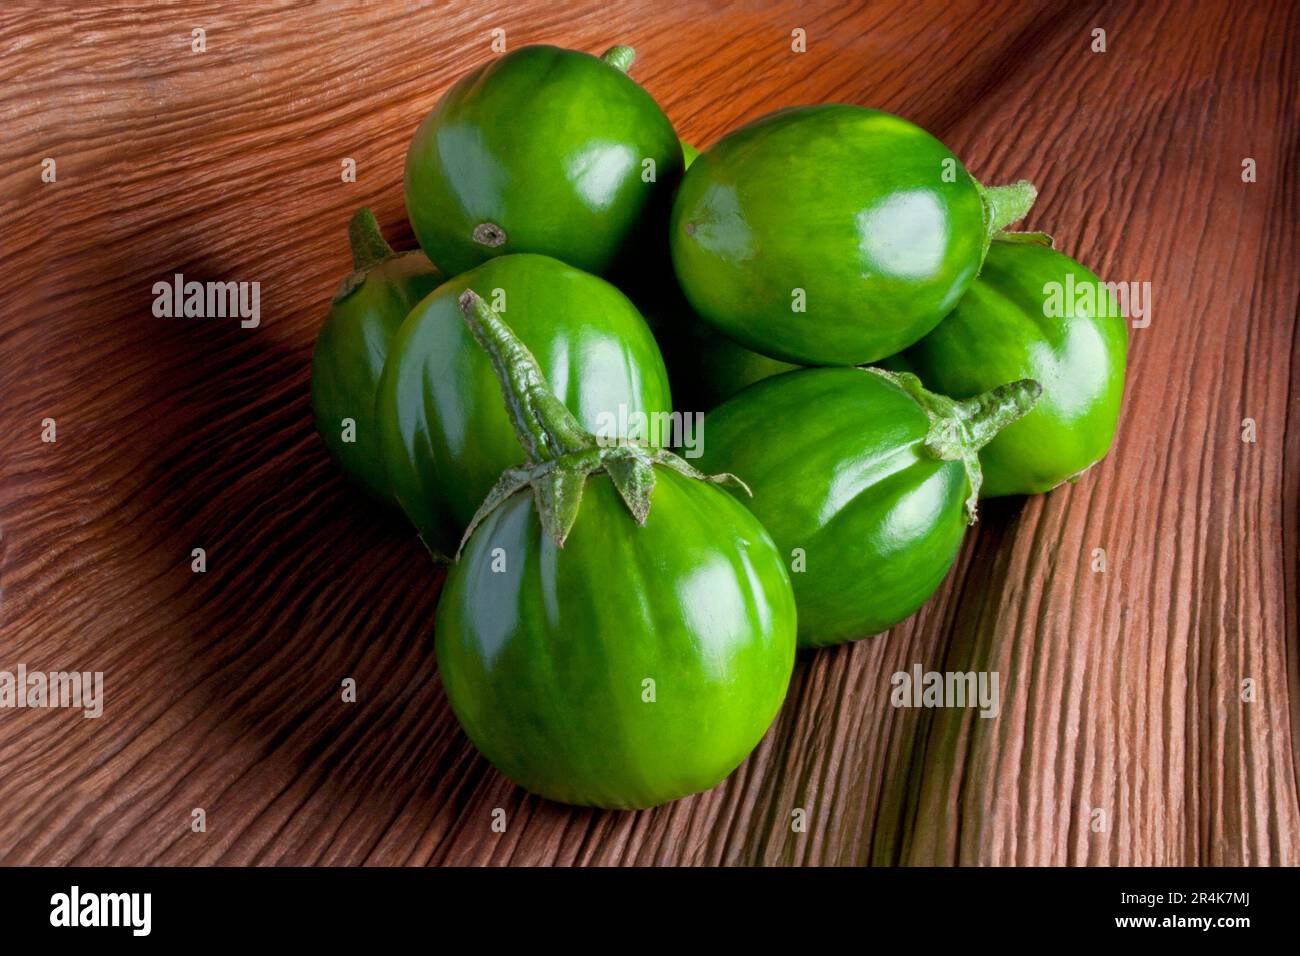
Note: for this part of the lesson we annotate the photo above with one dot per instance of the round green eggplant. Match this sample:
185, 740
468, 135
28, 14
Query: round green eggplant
704, 366
832, 235
443, 433
865, 480
543, 150
1033, 313
618, 631
353, 344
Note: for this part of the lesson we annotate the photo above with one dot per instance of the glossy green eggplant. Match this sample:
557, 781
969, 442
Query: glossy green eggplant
444, 435
353, 345
832, 235
704, 366
618, 631
543, 150
1033, 313
866, 482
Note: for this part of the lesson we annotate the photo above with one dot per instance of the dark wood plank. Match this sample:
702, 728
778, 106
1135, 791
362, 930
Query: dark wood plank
1123, 688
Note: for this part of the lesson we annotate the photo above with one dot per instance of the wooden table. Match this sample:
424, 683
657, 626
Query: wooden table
1125, 735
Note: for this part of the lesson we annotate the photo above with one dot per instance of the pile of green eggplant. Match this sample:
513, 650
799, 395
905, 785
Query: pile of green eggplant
669, 416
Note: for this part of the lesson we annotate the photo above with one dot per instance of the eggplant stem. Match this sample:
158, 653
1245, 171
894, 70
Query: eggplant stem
994, 410
561, 453
958, 430
545, 428
620, 57
369, 248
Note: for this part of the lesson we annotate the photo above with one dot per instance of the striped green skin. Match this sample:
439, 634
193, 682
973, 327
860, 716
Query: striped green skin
999, 333
834, 460
548, 144
349, 358
444, 433
848, 204
545, 662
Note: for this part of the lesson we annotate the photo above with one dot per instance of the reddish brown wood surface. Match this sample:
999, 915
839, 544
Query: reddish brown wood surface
1123, 688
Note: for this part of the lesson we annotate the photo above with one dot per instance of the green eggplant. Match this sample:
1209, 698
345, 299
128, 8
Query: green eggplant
618, 631
832, 235
1033, 313
704, 366
444, 436
353, 344
544, 150
865, 480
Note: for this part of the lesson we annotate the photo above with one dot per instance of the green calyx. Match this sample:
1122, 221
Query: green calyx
369, 249
560, 453
959, 429
1004, 205
620, 57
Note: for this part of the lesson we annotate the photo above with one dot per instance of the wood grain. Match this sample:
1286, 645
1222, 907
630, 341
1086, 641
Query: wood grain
1122, 688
